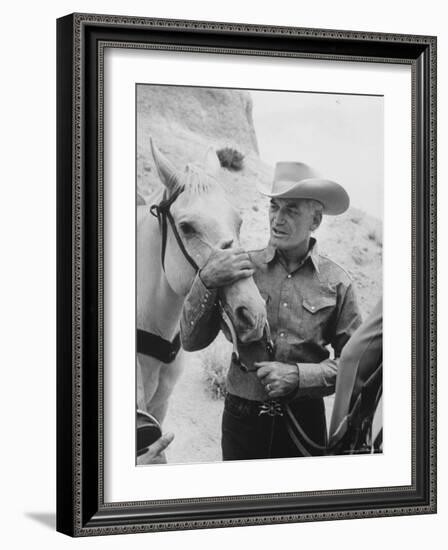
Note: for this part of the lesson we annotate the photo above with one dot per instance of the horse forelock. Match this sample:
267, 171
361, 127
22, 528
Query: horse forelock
196, 181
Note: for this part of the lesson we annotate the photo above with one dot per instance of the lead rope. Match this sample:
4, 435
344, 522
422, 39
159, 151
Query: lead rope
273, 407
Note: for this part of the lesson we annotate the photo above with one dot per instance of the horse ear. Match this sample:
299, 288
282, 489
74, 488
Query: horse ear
211, 162
167, 172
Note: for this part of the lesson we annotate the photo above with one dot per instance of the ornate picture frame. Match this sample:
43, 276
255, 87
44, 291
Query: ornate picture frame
81, 43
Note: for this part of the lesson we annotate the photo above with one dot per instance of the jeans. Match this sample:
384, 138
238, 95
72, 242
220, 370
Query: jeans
248, 435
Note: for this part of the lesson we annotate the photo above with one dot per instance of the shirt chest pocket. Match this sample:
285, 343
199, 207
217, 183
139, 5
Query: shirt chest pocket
317, 313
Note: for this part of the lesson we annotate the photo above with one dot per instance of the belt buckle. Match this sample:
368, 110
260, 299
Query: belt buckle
271, 408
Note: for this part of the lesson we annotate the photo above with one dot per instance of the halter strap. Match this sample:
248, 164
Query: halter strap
162, 212
180, 243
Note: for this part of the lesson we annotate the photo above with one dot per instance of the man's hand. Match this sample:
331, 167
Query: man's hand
279, 379
155, 454
224, 267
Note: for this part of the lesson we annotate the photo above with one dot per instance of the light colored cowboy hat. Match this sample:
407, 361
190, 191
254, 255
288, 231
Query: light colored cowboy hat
295, 180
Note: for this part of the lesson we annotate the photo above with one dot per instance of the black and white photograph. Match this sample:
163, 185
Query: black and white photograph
219, 221
259, 274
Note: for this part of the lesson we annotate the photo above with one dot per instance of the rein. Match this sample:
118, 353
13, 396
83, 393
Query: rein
273, 407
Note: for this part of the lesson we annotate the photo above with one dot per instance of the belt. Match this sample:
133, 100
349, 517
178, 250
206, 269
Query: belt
248, 407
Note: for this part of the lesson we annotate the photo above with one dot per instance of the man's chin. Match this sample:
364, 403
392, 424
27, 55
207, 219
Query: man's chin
280, 243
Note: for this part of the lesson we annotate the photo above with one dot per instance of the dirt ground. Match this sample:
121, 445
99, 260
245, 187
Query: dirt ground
194, 417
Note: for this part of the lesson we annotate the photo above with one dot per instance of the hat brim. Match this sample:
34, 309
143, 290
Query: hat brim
333, 196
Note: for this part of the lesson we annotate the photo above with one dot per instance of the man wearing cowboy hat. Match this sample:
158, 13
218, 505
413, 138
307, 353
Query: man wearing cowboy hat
310, 304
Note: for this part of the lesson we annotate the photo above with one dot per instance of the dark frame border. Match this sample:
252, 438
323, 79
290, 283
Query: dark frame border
81, 39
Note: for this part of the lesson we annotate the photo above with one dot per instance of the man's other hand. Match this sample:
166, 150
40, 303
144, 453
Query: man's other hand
155, 452
279, 379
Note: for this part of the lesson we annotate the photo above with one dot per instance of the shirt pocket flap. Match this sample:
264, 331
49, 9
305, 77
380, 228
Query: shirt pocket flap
316, 304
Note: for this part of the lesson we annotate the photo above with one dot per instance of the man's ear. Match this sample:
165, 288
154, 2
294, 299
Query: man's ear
317, 220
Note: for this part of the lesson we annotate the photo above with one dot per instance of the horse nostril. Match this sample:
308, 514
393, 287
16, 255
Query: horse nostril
224, 245
244, 317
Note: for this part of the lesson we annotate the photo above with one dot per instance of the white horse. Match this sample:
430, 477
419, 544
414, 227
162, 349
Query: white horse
204, 220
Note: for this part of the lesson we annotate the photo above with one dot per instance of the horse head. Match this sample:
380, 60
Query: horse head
201, 219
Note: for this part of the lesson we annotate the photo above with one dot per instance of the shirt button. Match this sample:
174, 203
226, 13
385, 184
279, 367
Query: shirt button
312, 308
289, 276
285, 304
282, 334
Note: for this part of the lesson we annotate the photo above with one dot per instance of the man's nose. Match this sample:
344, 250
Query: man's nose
278, 218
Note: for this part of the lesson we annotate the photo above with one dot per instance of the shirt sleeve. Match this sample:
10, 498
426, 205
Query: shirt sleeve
319, 379
200, 319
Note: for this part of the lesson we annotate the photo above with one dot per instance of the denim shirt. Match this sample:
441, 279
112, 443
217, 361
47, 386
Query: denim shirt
308, 309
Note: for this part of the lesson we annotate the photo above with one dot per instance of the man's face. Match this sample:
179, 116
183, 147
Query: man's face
291, 223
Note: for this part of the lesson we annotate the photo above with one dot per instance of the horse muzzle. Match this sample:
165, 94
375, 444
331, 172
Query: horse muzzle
246, 308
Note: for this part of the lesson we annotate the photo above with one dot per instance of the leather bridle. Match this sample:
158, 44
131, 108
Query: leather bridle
162, 212
148, 343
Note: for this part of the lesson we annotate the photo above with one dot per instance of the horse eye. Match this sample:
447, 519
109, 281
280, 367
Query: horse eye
186, 228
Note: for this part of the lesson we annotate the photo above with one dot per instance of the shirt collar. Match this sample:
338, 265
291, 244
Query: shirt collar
313, 254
